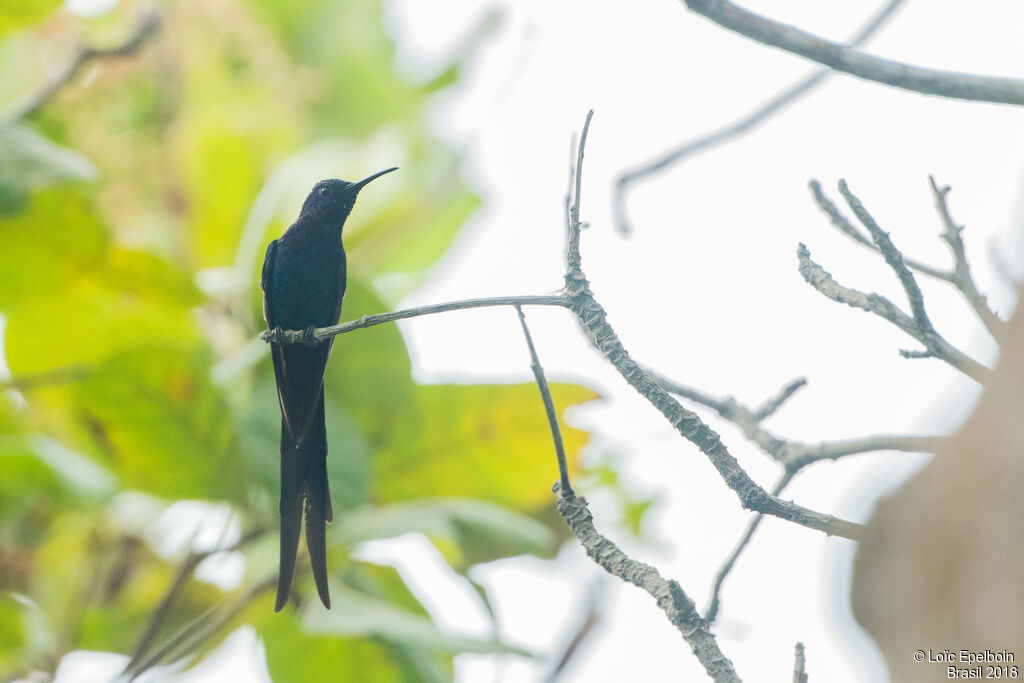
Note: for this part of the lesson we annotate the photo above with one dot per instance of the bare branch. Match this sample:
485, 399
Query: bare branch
574, 225
795, 455
800, 665
893, 257
868, 67
822, 280
733, 411
840, 221
799, 455
711, 613
746, 123
792, 455
593, 318
770, 406
549, 407
84, 54
324, 333
678, 607
961, 275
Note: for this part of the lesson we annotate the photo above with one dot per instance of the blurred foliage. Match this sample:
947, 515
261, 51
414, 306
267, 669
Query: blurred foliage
135, 205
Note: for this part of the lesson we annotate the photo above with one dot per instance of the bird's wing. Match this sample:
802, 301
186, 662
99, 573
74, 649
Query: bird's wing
265, 276
342, 276
298, 369
277, 351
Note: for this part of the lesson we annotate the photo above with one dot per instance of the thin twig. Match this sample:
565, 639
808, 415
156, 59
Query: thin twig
193, 634
961, 275
678, 607
711, 613
582, 627
843, 224
323, 333
772, 404
893, 257
549, 407
800, 455
790, 453
163, 610
148, 25
800, 665
184, 573
793, 455
821, 280
574, 225
868, 67
742, 125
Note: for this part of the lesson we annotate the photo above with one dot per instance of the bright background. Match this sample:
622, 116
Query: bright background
705, 290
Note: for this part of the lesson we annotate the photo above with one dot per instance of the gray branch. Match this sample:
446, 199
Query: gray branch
934, 343
549, 406
678, 607
893, 257
800, 665
847, 60
960, 277
791, 454
727, 566
961, 274
593, 318
321, 334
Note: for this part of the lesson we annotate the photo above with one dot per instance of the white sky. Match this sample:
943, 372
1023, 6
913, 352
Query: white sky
707, 291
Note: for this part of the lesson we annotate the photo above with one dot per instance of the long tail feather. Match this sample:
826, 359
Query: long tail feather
292, 496
318, 500
304, 488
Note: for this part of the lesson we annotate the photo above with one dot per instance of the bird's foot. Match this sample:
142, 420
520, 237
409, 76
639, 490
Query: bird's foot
309, 336
276, 335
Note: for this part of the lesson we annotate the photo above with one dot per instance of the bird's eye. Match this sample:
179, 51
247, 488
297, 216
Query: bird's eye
323, 190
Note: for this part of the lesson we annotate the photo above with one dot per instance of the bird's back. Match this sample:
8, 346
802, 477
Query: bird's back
308, 280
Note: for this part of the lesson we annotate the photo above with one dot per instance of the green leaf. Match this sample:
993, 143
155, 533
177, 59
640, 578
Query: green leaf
162, 426
477, 441
466, 531
98, 314
294, 654
56, 239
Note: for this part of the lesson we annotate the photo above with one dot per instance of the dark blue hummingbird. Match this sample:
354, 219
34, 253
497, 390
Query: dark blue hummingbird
303, 283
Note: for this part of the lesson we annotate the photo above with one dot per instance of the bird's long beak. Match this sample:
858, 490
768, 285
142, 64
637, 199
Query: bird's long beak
355, 187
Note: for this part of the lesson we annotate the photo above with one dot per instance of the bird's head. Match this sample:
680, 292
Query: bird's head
334, 199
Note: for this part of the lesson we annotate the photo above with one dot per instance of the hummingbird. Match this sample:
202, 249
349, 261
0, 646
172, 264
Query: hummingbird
303, 282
